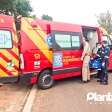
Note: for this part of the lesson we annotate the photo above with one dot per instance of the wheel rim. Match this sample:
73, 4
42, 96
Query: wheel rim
46, 79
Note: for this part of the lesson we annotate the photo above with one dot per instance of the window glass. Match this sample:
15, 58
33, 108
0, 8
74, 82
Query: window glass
5, 39
63, 40
75, 41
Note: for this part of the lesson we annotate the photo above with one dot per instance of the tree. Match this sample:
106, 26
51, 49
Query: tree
23, 7
47, 17
6, 6
16, 7
105, 21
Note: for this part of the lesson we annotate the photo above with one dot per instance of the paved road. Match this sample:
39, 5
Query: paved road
69, 95
12, 97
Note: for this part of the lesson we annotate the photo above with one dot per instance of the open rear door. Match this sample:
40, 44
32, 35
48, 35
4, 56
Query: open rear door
9, 52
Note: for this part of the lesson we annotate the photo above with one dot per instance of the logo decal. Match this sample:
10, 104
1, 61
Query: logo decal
49, 40
57, 60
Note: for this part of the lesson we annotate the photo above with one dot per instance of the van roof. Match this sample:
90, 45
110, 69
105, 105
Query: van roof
6, 21
61, 26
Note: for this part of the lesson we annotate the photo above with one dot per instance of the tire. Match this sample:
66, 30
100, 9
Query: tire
45, 80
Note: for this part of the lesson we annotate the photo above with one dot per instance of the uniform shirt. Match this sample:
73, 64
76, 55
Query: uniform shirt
105, 52
87, 50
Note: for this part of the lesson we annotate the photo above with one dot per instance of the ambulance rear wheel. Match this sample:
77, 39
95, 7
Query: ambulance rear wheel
45, 80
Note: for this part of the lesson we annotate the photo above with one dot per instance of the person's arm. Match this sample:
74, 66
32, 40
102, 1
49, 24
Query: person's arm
107, 53
95, 50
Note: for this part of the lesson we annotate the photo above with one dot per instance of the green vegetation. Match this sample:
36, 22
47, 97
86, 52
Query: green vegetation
15, 7
47, 17
105, 21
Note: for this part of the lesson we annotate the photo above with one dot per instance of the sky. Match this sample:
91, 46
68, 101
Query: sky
72, 11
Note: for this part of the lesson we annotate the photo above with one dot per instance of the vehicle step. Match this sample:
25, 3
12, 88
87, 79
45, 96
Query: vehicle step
93, 73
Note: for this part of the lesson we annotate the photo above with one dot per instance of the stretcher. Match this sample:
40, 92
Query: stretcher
95, 63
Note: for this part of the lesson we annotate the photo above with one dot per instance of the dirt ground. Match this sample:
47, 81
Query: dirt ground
69, 95
12, 97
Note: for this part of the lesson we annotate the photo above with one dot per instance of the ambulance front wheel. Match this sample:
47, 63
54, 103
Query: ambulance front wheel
45, 80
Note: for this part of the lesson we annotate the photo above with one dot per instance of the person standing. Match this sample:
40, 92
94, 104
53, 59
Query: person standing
85, 58
105, 62
97, 52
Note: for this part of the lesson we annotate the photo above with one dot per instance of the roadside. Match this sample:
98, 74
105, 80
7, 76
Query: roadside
69, 95
13, 96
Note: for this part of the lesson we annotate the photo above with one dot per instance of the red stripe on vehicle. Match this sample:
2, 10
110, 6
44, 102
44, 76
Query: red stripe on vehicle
4, 57
12, 53
16, 68
7, 60
5, 70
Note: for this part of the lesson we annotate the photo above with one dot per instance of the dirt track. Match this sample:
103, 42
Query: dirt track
69, 95
12, 97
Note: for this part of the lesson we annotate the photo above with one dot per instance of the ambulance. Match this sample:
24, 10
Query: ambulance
39, 51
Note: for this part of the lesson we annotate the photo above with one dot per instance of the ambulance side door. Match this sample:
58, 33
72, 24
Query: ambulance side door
76, 51
66, 52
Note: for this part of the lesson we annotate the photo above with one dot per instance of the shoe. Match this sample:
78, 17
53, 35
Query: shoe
99, 80
1, 84
104, 83
88, 80
84, 81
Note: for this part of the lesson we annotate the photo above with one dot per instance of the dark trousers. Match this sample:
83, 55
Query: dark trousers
99, 74
104, 71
